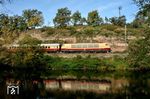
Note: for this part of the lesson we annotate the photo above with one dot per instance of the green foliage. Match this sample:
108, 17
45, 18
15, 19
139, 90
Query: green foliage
143, 15
83, 21
62, 17
120, 21
85, 63
23, 58
48, 30
29, 40
109, 27
33, 18
139, 51
116, 62
137, 22
10, 27
17, 23
141, 3
94, 19
76, 18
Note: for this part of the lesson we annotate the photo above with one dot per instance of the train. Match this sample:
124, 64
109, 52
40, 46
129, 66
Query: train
70, 48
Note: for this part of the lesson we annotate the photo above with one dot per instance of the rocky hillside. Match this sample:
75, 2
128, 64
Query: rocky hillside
113, 35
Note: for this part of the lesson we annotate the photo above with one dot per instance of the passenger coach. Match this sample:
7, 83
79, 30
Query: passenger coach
86, 47
50, 47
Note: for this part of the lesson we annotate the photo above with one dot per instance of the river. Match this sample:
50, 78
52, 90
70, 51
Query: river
77, 84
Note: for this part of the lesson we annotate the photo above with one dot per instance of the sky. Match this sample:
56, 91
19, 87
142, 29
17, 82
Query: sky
106, 8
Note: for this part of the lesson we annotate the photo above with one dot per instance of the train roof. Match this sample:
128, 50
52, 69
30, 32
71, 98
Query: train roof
53, 44
87, 43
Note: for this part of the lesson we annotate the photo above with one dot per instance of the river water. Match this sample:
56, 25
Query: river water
78, 84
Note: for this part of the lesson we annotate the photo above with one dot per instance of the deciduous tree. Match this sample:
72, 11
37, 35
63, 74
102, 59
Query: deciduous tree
76, 18
139, 51
120, 21
62, 17
33, 18
94, 19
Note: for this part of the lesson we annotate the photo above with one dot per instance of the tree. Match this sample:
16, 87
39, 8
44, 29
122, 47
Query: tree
62, 17
11, 26
141, 3
106, 20
76, 18
137, 23
83, 21
114, 20
139, 51
4, 20
4, 25
94, 19
144, 11
33, 18
17, 23
120, 21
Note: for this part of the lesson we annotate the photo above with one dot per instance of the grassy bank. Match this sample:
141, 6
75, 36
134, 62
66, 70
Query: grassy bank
86, 63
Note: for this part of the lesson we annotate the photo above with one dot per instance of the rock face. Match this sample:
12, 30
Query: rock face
117, 43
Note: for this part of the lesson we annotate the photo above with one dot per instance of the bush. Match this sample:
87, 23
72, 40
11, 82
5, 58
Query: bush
29, 40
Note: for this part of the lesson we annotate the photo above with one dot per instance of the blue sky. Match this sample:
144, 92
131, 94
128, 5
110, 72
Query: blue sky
106, 8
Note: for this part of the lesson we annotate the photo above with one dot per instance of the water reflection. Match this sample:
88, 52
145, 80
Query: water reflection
68, 84
74, 85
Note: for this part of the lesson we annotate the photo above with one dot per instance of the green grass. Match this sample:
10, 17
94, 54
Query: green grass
87, 63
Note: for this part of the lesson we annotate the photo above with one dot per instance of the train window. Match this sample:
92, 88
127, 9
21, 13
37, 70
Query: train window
95, 45
84, 46
79, 46
90, 46
73, 46
76, 46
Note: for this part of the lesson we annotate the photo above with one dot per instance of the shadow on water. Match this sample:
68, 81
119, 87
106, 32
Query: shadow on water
74, 84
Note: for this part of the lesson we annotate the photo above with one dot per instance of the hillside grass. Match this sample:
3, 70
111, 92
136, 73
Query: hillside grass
90, 31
